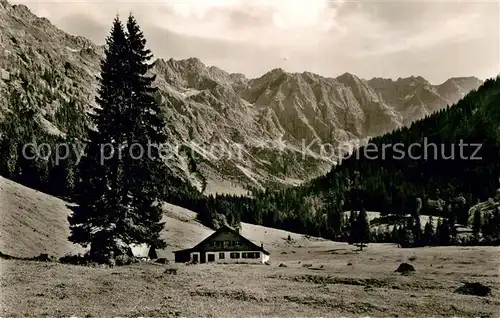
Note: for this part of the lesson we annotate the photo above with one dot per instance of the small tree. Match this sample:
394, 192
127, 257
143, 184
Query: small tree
444, 232
360, 232
477, 224
428, 236
395, 234
406, 238
417, 227
417, 230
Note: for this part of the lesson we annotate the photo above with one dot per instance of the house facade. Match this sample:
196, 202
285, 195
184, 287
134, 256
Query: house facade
225, 245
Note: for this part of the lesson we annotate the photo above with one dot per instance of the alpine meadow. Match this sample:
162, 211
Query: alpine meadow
138, 180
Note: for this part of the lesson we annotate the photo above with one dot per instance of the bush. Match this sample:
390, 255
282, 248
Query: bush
405, 268
74, 259
162, 260
124, 260
475, 289
44, 258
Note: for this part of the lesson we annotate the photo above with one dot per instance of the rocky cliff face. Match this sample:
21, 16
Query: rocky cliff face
248, 131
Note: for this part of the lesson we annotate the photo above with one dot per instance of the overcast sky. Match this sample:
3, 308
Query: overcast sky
436, 40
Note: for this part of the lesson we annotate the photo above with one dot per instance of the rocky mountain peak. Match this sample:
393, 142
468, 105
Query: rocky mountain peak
268, 118
24, 12
273, 74
412, 80
351, 80
193, 63
470, 80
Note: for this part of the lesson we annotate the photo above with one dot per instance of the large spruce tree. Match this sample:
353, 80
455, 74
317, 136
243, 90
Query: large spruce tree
145, 134
101, 209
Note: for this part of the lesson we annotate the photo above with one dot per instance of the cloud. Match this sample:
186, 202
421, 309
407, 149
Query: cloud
462, 28
436, 40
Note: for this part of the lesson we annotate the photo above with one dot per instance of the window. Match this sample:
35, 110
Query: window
236, 243
234, 255
211, 257
221, 255
216, 244
250, 255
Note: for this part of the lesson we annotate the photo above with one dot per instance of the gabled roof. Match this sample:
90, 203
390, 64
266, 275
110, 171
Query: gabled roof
230, 229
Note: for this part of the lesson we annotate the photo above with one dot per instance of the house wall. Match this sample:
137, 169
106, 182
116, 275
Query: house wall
182, 256
264, 258
228, 260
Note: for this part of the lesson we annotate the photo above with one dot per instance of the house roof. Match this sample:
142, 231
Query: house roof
226, 228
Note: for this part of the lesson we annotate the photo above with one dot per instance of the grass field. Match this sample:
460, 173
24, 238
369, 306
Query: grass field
367, 287
321, 278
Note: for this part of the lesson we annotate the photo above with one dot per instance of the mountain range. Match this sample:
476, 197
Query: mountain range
230, 129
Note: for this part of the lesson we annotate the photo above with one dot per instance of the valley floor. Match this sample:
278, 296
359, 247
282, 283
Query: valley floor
321, 278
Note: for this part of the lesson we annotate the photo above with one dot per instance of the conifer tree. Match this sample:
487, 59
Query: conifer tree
406, 238
95, 220
417, 230
428, 237
143, 164
360, 233
417, 226
476, 224
395, 234
334, 213
444, 232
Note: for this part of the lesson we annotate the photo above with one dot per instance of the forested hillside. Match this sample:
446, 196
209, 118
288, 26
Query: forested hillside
391, 184
443, 181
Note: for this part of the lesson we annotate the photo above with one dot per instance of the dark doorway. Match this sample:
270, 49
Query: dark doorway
195, 258
211, 257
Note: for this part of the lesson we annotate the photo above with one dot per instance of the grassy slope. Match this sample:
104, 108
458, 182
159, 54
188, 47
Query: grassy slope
33, 222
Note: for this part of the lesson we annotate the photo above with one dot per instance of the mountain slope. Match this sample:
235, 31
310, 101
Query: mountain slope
251, 132
455, 160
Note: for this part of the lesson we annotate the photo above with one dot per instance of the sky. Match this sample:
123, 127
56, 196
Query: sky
391, 39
